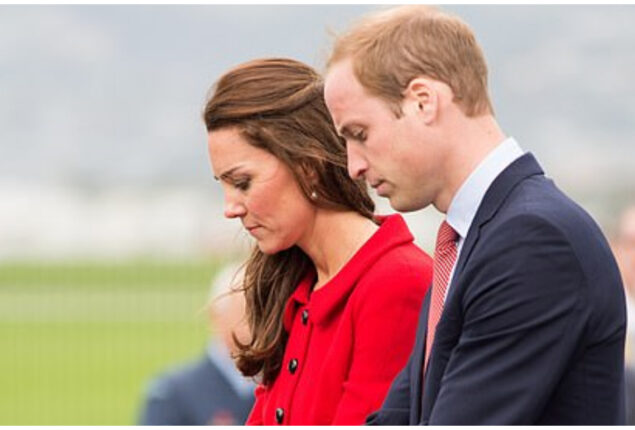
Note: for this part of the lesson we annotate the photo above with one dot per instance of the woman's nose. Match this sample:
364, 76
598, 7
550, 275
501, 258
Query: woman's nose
234, 208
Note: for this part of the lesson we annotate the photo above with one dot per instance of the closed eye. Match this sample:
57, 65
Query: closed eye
240, 181
242, 185
357, 134
360, 136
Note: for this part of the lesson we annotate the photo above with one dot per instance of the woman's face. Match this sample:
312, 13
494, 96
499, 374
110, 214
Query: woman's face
261, 191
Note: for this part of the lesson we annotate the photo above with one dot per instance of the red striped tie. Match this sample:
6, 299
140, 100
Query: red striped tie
444, 259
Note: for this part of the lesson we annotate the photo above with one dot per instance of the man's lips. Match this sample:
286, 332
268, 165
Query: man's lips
381, 187
376, 184
251, 228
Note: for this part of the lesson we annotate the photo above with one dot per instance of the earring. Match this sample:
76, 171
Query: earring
313, 195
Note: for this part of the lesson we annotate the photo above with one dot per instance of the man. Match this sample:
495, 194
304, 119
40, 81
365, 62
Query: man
525, 321
209, 391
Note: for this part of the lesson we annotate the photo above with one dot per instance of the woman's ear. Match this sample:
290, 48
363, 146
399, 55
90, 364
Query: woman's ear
308, 171
312, 178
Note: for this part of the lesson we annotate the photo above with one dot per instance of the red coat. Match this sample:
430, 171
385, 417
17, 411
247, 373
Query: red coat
349, 339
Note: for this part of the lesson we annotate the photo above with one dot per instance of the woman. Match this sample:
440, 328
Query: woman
333, 295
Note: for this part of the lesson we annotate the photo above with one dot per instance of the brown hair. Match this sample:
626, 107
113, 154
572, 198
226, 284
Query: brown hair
278, 105
391, 47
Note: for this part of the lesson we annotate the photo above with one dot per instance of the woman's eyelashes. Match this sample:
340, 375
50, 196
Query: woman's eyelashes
241, 184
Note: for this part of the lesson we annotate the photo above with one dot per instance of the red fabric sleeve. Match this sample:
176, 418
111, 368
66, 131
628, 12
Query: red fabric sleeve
385, 323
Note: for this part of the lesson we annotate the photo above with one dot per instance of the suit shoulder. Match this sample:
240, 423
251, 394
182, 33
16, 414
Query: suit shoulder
161, 386
538, 202
541, 198
538, 220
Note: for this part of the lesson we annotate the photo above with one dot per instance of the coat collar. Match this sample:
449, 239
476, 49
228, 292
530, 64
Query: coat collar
331, 298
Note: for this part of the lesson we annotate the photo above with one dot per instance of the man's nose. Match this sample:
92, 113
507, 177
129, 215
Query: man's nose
357, 164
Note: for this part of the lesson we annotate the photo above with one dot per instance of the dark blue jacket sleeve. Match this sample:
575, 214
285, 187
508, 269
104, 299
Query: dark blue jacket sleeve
396, 407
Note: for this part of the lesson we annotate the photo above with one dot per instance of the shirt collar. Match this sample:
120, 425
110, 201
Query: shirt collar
219, 355
468, 198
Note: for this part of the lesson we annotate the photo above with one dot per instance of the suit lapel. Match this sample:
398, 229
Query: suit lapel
496, 194
520, 169
416, 375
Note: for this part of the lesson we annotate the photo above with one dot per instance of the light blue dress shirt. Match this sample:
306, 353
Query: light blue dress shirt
468, 198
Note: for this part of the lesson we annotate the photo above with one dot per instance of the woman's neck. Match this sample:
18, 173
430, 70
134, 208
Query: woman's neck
334, 239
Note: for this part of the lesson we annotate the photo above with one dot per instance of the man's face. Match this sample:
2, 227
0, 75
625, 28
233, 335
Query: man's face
397, 156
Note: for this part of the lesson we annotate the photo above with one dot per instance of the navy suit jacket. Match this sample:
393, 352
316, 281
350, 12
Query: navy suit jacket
194, 394
533, 327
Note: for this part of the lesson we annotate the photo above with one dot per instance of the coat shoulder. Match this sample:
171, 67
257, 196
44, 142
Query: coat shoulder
405, 271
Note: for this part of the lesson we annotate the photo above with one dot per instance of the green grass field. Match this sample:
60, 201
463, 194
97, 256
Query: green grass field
79, 341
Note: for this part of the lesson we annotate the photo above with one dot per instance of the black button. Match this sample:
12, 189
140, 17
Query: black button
305, 316
293, 366
279, 415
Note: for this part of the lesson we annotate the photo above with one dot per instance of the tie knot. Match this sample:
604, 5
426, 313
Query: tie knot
446, 235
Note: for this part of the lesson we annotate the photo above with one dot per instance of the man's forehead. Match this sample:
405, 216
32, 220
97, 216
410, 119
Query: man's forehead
344, 65
340, 79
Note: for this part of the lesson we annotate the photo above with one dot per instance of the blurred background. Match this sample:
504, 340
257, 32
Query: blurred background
111, 225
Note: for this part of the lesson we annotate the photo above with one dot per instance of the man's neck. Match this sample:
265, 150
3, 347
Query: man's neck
472, 140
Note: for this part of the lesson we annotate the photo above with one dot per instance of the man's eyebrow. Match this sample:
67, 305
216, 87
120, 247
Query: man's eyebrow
227, 173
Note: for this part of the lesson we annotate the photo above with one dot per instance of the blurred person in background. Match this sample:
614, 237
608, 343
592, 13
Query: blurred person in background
333, 292
624, 248
209, 391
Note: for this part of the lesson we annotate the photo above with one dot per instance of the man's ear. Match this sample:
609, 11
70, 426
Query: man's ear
422, 97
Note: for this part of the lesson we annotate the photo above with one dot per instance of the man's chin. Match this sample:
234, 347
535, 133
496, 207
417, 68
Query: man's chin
404, 205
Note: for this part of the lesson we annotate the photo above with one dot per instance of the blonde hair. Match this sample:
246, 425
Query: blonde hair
391, 47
